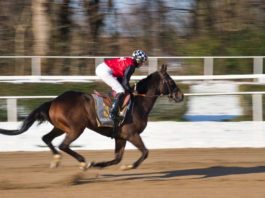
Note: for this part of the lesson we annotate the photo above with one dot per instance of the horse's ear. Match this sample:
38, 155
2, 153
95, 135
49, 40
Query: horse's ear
163, 69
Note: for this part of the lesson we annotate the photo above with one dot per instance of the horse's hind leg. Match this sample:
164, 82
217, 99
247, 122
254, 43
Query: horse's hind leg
136, 140
64, 146
119, 150
48, 138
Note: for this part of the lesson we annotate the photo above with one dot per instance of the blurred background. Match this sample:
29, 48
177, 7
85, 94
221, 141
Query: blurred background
162, 28
116, 27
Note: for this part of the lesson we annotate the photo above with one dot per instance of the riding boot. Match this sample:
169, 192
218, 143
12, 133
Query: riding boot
115, 111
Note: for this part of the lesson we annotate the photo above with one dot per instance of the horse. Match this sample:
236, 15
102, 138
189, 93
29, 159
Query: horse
73, 111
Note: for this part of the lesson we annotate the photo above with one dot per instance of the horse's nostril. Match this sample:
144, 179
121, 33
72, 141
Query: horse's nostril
179, 96
182, 96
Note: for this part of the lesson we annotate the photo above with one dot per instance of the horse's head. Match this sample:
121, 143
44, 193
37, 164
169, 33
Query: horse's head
159, 83
168, 86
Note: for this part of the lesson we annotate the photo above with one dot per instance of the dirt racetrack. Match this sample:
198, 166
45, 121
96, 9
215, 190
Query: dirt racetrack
184, 173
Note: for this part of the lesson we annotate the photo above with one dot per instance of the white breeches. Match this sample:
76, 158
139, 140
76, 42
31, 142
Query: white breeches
105, 73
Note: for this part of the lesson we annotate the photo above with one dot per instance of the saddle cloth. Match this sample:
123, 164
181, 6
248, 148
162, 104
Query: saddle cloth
103, 104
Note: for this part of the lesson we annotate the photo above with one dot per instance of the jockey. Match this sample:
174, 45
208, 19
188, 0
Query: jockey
116, 73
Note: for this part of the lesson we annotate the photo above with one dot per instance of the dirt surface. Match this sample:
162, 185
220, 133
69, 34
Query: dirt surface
166, 173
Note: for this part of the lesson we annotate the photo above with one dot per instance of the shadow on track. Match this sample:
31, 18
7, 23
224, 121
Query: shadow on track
216, 171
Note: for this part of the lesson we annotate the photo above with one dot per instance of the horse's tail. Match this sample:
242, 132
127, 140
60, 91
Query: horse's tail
40, 114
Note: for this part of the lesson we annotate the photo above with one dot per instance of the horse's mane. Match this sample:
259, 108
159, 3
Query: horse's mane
143, 85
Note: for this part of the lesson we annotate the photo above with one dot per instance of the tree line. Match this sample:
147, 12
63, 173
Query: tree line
116, 28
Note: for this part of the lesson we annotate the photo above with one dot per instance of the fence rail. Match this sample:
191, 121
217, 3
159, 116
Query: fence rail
257, 112
54, 79
185, 94
153, 61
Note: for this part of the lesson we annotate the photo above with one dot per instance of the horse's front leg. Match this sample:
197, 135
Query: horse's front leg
136, 140
119, 150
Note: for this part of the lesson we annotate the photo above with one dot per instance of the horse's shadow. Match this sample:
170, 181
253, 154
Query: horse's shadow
200, 173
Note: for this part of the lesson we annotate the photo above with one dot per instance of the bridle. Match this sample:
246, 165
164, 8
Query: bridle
170, 91
163, 83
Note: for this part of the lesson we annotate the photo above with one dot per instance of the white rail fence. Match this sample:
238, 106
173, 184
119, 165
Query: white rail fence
208, 68
152, 63
208, 61
54, 79
257, 112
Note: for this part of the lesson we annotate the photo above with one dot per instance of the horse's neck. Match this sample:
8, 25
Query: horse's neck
146, 103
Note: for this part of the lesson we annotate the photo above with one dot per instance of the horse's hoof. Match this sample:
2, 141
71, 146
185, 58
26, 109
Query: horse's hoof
126, 167
56, 161
97, 165
84, 166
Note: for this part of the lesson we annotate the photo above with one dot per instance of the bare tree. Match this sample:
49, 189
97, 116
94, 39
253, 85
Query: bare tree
21, 25
40, 27
95, 22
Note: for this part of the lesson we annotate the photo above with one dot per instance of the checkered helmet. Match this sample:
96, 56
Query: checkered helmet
139, 56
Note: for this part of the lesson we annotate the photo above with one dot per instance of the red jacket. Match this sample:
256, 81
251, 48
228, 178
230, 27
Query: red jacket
119, 65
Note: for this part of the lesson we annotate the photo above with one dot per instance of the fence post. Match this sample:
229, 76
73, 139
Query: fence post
258, 66
257, 112
12, 110
36, 66
208, 66
153, 63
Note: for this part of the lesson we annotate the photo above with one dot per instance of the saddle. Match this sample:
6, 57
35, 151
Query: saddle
103, 103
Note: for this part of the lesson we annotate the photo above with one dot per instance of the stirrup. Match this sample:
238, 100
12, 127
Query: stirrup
116, 116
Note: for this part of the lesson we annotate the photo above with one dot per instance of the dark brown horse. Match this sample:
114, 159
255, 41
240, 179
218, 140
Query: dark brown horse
72, 112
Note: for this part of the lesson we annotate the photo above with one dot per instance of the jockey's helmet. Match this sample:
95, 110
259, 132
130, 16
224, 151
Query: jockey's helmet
140, 56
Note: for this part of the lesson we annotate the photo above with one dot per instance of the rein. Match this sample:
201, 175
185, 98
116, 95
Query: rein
144, 95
